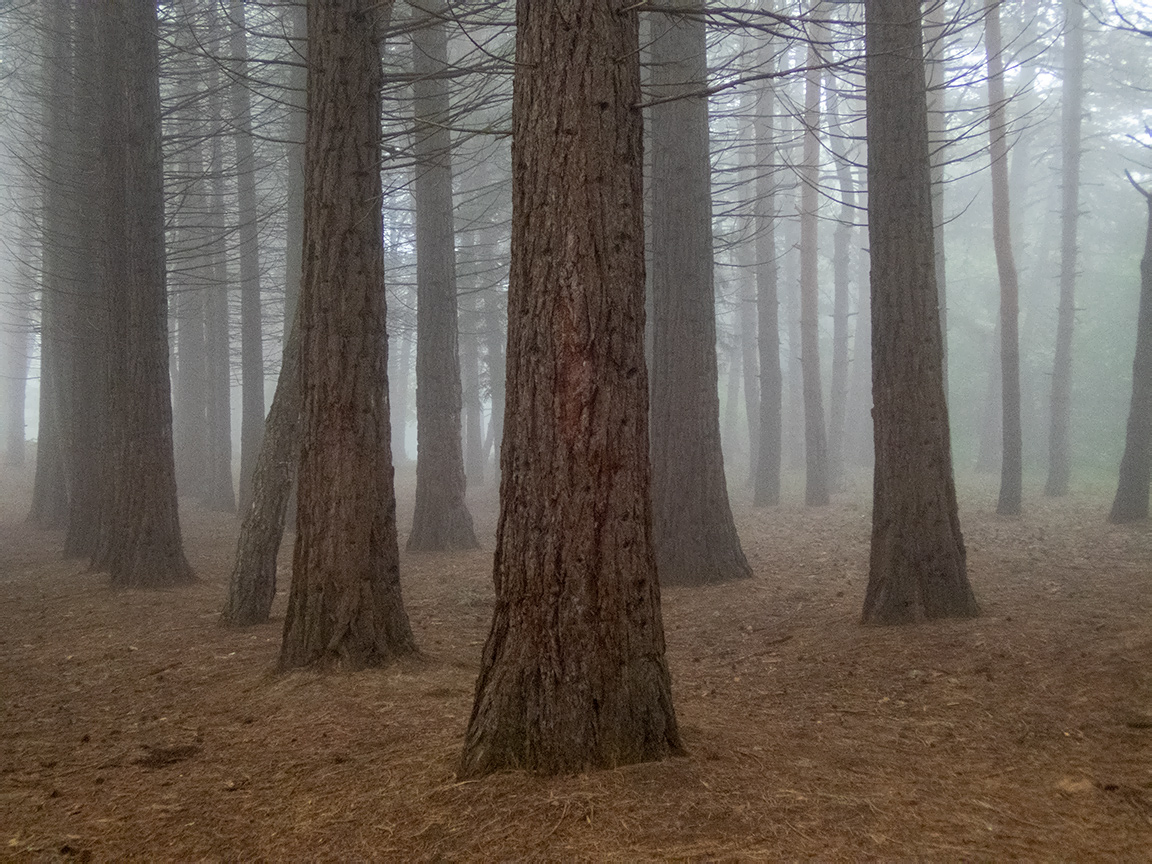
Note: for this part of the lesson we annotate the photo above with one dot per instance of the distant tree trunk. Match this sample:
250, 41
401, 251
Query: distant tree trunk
794, 416
294, 206
937, 83
1059, 449
252, 585
400, 390
917, 566
17, 350
470, 388
345, 606
220, 494
495, 339
251, 320
140, 543
1011, 463
815, 434
573, 673
440, 520
749, 363
766, 489
51, 489
694, 532
1131, 501
841, 304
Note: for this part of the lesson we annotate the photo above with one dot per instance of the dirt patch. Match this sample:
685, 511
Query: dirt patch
134, 727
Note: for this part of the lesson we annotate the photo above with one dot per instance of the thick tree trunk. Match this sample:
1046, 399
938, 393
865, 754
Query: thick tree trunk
917, 564
440, 520
815, 434
1131, 501
345, 606
694, 532
1011, 463
248, 232
1059, 448
140, 542
573, 673
766, 489
252, 586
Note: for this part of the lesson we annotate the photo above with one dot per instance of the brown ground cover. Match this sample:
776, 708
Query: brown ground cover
135, 728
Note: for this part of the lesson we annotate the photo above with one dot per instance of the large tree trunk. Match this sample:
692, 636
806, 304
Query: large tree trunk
1131, 501
251, 320
252, 585
1059, 449
140, 542
766, 489
917, 563
345, 606
441, 519
694, 532
1011, 463
573, 673
815, 434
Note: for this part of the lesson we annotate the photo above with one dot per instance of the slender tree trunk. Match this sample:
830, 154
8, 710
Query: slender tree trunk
766, 491
1131, 501
841, 304
294, 207
1059, 448
140, 543
470, 388
251, 321
17, 350
252, 585
695, 535
917, 567
815, 435
750, 362
1011, 464
573, 673
495, 337
441, 520
400, 390
345, 605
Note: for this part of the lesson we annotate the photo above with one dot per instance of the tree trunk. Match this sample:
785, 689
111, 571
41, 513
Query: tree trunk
694, 532
294, 206
1131, 501
573, 675
252, 586
251, 322
441, 520
749, 361
140, 543
766, 490
937, 83
1059, 449
470, 389
917, 565
400, 391
1011, 463
345, 606
495, 337
815, 435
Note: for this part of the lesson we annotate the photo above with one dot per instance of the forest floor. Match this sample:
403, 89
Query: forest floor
134, 727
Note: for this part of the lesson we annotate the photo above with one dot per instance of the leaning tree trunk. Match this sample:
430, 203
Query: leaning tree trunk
248, 233
573, 673
815, 434
345, 606
441, 520
252, 585
1011, 463
140, 541
695, 534
917, 565
1059, 449
1131, 501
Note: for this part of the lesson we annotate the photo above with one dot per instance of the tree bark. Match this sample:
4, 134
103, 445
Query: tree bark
1131, 501
1059, 447
440, 520
140, 541
917, 564
1011, 463
573, 675
695, 535
345, 607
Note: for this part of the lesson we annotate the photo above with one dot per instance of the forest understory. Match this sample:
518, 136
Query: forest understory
136, 728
